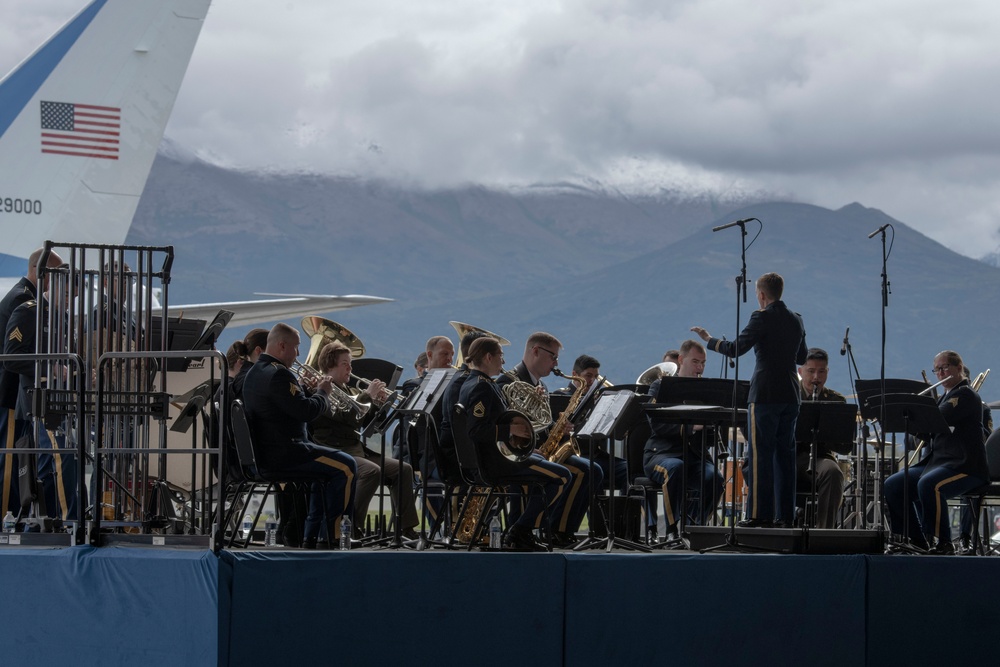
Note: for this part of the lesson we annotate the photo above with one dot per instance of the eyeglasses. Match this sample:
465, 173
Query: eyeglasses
555, 357
942, 368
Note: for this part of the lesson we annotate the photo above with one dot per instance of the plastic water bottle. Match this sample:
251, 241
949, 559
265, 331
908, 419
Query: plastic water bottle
270, 531
495, 533
9, 522
247, 526
345, 533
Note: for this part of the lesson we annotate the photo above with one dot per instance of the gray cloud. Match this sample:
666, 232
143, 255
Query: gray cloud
888, 103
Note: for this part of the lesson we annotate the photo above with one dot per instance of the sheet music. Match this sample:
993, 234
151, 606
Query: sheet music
602, 419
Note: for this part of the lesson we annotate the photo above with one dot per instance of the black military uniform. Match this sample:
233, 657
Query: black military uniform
278, 410
449, 462
24, 290
956, 464
484, 404
57, 472
575, 501
778, 337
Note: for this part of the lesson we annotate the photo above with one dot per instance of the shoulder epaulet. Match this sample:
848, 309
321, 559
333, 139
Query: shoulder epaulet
31, 303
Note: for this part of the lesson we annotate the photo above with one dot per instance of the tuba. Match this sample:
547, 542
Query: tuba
322, 331
462, 328
654, 373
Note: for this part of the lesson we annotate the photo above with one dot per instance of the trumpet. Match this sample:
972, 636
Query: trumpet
383, 395
340, 400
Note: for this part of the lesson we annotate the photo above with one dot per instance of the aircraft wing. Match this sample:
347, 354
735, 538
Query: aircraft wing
269, 310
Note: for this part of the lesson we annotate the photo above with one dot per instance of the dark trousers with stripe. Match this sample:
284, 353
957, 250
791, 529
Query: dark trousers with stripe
575, 501
331, 497
10, 498
700, 478
770, 471
57, 471
928, 491
539, 506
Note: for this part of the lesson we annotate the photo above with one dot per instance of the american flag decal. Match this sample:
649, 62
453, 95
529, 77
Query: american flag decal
80, 129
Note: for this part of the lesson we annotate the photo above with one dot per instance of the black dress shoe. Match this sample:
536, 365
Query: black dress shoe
562, 540
942, 548
309, 543
410, 534
520, 538
755, 523
966, 548
782, 524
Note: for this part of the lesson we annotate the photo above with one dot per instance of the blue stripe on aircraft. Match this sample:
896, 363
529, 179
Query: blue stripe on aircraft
25, 81
13, 267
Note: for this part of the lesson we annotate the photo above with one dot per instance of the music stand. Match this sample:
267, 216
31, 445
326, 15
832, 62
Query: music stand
213, 330
865, 390
827, 422
912, 414
612, 416
420, 404
192, 402
702, 391
182, 335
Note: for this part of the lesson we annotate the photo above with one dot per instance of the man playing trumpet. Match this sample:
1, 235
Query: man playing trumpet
278, 410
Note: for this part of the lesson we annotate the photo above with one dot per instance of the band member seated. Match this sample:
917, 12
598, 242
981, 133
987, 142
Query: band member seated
440, 352
420, 365
777, 336
541, 354
339, 430
449, 466
829, 476
667, 463
278, 409
589, 368
484, 403
955, 464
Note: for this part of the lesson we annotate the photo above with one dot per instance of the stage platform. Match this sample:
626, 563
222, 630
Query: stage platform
146, 606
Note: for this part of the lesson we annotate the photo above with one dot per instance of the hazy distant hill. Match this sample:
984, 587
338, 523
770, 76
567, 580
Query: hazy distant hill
307, 233
620, 278
993, 258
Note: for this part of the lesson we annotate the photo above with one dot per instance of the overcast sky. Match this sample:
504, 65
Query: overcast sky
891, 103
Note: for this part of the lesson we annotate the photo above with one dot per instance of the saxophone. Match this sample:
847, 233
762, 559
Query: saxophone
554, 449
474, 508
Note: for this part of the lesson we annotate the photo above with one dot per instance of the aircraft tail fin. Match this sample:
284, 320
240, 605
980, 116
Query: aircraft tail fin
81, 120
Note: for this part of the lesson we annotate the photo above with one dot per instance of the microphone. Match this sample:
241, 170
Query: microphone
732, 362
732, 224
815, 391
877, 231
843, 348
